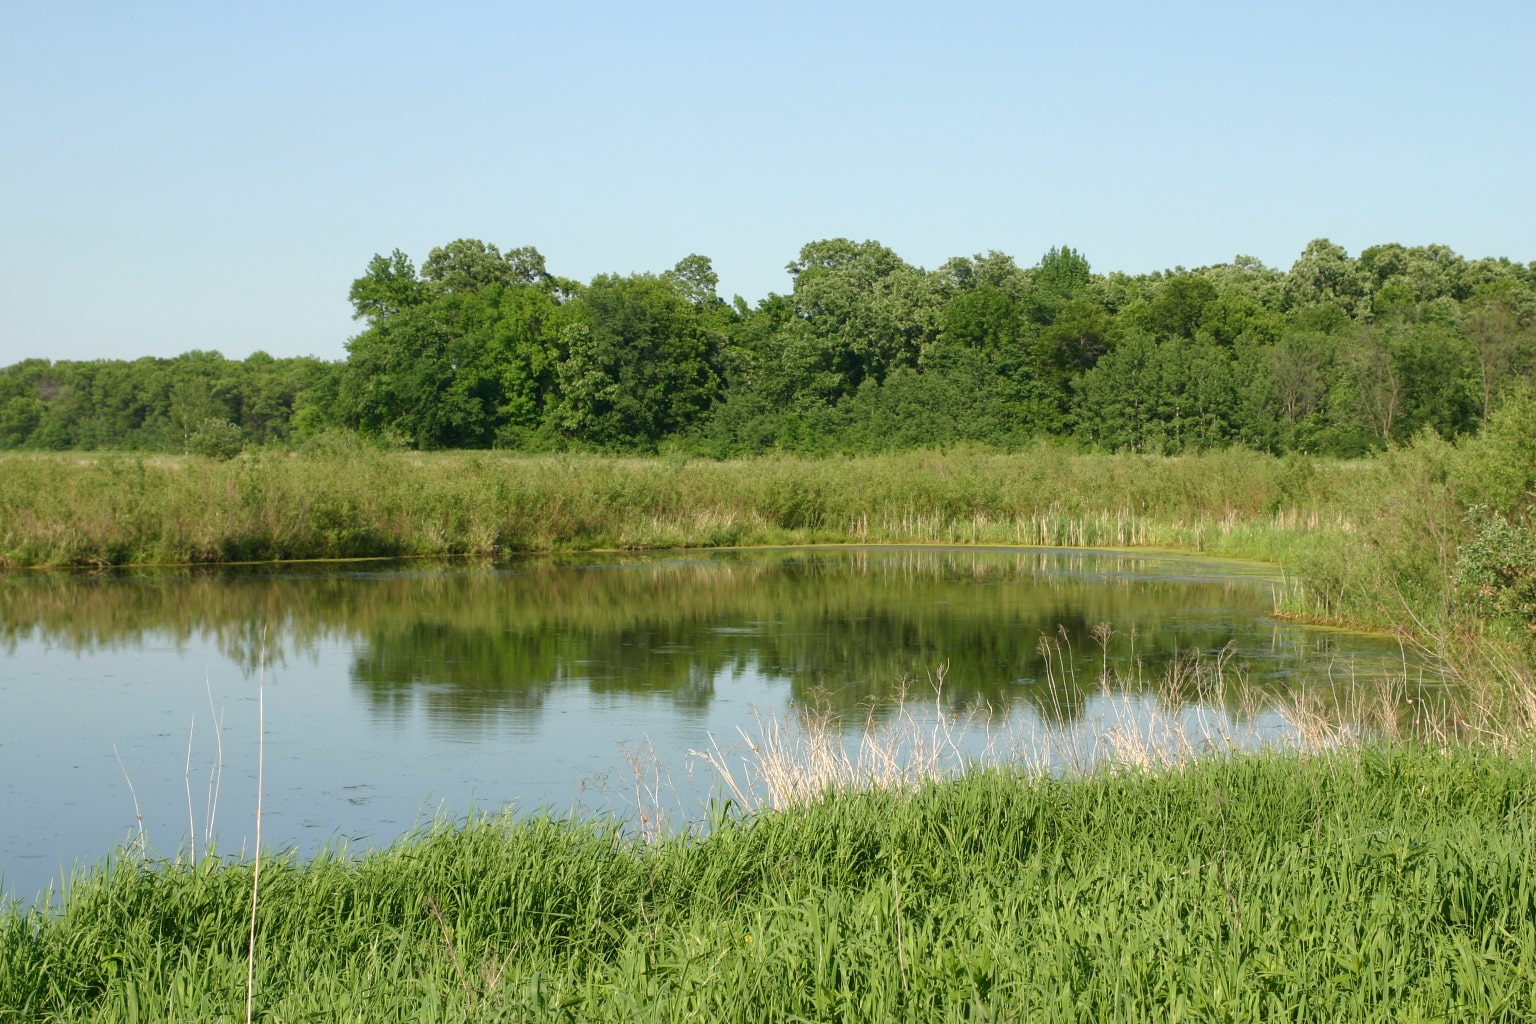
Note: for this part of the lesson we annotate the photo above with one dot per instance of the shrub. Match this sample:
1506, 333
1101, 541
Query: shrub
1496, 572
216, 439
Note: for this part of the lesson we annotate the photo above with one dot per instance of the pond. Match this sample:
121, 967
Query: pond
395, 692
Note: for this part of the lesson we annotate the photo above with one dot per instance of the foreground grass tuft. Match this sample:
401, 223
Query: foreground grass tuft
1367, 884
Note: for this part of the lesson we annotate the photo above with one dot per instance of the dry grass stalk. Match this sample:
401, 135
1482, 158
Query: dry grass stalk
799, 758
650, 789
1130, 724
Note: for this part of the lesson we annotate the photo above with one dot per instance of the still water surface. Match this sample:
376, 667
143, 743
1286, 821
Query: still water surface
396, 692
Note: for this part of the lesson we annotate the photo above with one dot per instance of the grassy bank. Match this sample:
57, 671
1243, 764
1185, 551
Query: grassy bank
115, 510
1369, 538
1365, 884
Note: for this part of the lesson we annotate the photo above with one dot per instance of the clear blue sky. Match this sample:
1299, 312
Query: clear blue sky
179, 175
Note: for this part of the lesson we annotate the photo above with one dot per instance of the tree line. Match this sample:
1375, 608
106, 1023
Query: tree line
479, 348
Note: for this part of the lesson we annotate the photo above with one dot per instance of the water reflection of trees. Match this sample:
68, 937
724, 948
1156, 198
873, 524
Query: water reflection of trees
471, 642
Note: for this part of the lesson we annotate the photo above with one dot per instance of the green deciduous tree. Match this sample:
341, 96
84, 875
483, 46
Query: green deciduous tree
860, 312
1062, 275
20, 416
419, 375
470, 265
388, 286
1159, 397
1405, 377
1179, 306
468, 361
638, 363
1499, 323
1323, 274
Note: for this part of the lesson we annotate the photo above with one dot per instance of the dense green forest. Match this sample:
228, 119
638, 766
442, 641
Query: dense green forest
478, 348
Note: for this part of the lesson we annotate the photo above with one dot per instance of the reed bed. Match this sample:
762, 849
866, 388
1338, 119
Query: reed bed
1364, 536
1121, 721
913, 738
121, 509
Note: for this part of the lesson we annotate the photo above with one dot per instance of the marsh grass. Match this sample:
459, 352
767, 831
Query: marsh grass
1370, 543
1201, 706
798, 758
117, 509
1360, 883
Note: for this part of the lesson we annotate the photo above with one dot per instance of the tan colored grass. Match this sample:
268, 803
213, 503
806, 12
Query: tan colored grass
797, 758
1140, 725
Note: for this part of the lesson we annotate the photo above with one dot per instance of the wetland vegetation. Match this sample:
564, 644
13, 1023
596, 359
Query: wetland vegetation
1366, 423
1362, 884
1343, 883
1372, 542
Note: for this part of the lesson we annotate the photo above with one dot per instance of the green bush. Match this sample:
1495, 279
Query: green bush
216, 439
1496, 572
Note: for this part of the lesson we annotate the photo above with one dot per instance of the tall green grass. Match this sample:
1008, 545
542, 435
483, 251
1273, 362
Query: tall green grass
1370, 884
1374, 542
117, 509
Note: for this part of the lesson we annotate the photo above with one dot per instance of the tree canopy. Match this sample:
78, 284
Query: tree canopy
481, 347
